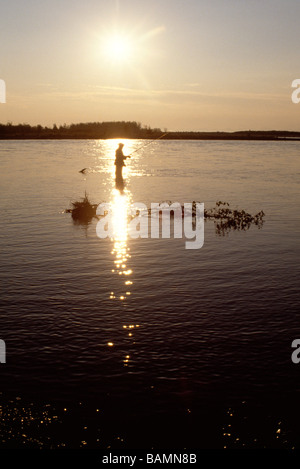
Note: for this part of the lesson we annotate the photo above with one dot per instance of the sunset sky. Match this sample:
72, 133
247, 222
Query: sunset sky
175, 64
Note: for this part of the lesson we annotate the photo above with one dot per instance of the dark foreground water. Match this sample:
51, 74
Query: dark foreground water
143, 343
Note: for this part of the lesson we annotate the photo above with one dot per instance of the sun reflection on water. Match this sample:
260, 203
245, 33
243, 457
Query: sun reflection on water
120, 250
120, 202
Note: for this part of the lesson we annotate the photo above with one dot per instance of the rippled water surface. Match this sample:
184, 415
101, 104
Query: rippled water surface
141, 342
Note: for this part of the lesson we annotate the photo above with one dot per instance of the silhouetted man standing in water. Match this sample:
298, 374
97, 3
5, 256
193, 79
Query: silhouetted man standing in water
119, 162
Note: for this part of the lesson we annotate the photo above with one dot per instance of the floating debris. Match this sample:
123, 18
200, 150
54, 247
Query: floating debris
224, 217
227, 219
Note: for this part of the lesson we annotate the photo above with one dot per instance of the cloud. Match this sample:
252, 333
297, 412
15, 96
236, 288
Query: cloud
170, 97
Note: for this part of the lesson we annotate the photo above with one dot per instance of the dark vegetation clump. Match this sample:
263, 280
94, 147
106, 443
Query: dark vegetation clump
227, 219
83, 211
224, 217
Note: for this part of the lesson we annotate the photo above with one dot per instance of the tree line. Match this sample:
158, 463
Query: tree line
93, 130
128, 129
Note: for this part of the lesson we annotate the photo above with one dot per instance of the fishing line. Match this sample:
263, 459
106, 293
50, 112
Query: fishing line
148, 143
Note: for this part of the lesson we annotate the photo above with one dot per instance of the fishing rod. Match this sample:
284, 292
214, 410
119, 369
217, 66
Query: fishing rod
83, 171
148, 143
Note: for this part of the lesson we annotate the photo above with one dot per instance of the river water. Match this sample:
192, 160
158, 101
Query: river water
142, 343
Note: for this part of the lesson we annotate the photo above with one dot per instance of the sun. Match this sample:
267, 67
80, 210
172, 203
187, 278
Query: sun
118, 48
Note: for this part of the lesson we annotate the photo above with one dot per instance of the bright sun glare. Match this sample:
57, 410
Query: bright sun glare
118, 48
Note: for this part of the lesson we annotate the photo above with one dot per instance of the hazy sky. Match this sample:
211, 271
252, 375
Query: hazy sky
179, 64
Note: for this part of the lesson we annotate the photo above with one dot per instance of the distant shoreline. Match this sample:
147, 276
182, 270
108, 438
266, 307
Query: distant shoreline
271, 139
132, 130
